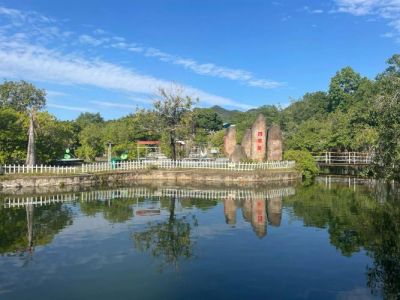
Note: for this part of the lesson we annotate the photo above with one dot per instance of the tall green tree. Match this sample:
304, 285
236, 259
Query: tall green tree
24, 96
174, 115
342, 88
387, 152
13, 138
87, 118
207, 119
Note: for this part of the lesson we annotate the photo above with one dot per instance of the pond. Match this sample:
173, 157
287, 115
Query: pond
334, 239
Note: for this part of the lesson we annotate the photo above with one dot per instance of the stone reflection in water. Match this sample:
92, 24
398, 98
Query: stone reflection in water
356, 218
230, 207
275, 211
254, 211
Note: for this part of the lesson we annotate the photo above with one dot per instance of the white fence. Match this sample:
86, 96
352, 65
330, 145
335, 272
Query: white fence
351, 158
39, 169
187, 164
147, 164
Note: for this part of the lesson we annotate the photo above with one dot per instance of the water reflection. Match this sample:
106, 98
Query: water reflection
169, 239
23, 228
359, 218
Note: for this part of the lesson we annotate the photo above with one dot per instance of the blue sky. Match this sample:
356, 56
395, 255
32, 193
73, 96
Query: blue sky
111, 56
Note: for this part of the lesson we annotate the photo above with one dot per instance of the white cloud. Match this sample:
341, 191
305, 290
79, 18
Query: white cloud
67, 107
34, 26
388, 10
87, 39
52, 94
113, 104
312, 11
22, 60
206, 69
210, 69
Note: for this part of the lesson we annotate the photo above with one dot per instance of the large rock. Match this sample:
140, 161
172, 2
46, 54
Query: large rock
258, 139
246, 143
274, 143
238, 154
229, 140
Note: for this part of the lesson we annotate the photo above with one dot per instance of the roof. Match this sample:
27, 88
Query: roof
148, 142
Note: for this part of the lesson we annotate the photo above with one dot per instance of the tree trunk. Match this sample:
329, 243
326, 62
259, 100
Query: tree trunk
29, 222
31, 153
172, 209
173, 146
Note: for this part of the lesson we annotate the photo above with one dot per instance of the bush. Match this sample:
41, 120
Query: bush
305, 163
152, 167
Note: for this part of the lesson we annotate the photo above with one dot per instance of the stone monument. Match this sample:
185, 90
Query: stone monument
258, 139
229, 140
237, 154
274, 143
246, 143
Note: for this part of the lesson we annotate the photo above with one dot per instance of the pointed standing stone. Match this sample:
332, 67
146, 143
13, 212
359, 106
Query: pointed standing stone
237, 154
229, 140
258, 139
246, 143
274, 143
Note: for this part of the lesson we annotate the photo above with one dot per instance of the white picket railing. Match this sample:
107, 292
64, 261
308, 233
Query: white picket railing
149, 164
38, 169
187, 164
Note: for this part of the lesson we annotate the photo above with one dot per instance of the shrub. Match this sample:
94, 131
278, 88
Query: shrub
305, 163
152, 167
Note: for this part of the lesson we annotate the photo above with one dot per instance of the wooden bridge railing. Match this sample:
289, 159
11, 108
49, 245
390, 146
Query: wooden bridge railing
344, 158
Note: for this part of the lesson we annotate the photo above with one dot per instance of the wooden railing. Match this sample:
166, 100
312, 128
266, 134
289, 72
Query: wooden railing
343, 158
148, 164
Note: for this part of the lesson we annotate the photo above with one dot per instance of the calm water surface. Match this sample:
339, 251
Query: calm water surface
324, 241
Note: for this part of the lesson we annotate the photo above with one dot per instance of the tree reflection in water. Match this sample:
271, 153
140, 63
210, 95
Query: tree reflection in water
356, 220
168, 240
23, 229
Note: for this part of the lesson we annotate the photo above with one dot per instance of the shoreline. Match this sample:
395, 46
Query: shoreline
8, 182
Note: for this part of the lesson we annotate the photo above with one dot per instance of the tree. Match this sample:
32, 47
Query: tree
174, 115
24, 96
342, 87
207, 119
305, 162
387, 152
91, 140
13, 139
87, 118
53, 137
